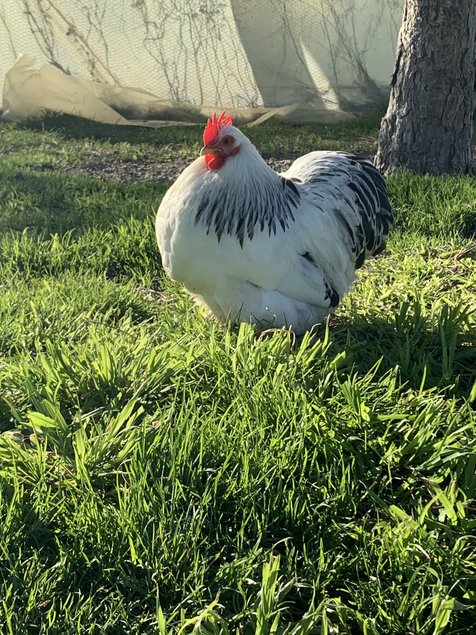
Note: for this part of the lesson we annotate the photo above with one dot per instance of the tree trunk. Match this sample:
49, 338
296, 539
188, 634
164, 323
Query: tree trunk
428, 125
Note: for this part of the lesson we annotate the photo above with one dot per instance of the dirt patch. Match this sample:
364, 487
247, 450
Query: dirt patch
146, 170
129, 170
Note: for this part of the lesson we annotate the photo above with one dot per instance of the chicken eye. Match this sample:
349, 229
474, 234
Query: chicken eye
227, 140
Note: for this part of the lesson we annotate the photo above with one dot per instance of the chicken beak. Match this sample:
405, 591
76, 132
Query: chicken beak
207, 150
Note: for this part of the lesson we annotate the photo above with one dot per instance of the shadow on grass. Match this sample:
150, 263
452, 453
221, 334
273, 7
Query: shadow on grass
273, 138
55, 202
71, 127
427, 355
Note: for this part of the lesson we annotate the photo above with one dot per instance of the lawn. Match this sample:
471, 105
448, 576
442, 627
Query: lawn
161, 473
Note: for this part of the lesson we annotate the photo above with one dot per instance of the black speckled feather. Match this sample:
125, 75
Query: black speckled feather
239, 212
362, 187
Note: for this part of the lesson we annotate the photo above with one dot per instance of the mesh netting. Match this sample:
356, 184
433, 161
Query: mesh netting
184, 58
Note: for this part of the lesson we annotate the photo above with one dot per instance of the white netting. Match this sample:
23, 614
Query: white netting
306, 57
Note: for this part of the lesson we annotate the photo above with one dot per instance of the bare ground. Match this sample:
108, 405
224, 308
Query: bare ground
146, 170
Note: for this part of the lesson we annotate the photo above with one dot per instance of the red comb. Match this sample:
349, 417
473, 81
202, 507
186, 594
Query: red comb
213, 127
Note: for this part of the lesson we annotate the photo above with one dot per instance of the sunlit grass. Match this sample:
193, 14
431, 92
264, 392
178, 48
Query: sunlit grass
160, 473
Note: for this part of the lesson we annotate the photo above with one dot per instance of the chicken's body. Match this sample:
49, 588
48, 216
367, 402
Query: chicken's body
272, 250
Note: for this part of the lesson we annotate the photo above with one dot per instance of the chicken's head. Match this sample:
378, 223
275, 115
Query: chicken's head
221, 140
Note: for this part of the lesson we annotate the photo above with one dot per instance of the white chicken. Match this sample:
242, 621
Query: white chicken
274, 250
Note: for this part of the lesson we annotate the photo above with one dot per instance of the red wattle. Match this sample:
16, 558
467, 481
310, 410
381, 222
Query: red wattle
214, 161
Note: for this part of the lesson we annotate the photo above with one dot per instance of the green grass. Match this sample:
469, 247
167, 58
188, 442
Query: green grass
64, 141
160, 473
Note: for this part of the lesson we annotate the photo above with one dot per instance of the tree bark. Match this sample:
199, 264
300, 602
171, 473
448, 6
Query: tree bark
428, 124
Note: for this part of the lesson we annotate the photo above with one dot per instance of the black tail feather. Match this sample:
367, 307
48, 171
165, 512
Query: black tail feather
369, 186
